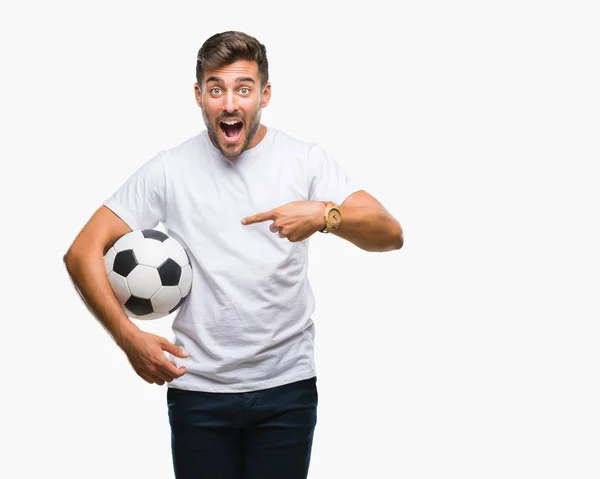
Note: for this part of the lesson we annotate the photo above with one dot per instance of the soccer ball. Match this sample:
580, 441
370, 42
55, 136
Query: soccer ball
149, 272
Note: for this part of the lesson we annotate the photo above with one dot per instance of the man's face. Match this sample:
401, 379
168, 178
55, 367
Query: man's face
231, 99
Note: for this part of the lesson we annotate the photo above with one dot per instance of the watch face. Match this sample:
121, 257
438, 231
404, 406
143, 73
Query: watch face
334, 216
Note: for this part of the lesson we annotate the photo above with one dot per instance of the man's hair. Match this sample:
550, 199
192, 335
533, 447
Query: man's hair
225, 48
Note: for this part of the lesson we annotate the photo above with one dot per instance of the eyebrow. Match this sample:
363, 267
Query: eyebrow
238, 79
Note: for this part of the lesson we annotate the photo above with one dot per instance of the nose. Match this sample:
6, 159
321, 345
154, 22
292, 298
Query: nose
229, 104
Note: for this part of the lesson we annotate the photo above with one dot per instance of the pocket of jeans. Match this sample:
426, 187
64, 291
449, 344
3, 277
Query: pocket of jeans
172, 395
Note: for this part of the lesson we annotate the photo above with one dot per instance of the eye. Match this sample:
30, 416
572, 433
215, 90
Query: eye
245, 90
212, 90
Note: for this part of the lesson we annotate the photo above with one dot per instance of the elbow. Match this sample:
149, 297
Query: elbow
398, 237
394, 241
68, 256
399, 242
69, 259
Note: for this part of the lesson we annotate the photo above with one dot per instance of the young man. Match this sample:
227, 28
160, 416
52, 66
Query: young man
243, 199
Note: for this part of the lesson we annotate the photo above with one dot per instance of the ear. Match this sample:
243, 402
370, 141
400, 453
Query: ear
198, 94
266, 95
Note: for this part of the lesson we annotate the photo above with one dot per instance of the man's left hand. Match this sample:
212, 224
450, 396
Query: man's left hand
295, 221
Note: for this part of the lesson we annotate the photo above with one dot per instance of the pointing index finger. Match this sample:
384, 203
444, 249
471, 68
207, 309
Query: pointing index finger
258, 218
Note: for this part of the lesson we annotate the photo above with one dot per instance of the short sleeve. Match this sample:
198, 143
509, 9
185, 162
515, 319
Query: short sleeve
141, 200
327, 180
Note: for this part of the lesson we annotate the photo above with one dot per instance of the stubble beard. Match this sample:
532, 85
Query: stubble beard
214, 136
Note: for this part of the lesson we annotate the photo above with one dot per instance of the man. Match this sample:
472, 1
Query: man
243, 199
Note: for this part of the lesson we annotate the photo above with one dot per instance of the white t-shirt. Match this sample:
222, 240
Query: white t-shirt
247, 322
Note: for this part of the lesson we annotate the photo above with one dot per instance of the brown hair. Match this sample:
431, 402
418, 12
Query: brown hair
225, 48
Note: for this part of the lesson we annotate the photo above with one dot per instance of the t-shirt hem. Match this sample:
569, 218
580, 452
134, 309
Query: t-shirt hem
259, 385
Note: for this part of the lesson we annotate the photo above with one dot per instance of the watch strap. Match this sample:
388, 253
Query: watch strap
328, 205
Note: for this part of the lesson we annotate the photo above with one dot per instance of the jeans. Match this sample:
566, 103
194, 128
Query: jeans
265, 434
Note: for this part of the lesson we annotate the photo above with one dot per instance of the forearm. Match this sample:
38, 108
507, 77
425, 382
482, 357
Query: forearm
88, 273
371, 228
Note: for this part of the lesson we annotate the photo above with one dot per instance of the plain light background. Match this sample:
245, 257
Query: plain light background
470, 353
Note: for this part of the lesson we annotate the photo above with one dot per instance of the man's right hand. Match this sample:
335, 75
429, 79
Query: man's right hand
145, 353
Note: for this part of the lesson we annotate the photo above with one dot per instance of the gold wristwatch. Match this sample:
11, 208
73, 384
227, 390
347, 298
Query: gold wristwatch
333, 217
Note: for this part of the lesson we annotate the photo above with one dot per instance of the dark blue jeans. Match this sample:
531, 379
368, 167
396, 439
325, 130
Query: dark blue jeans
265, 434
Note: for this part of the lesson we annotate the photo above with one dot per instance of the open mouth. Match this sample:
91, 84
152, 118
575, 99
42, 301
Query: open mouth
231, 129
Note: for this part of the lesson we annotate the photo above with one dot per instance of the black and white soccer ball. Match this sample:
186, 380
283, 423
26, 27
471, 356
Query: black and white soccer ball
149, 272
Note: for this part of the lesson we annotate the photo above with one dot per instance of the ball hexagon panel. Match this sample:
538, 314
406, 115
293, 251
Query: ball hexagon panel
166, 299
109, 259
143, 281
128, 241
124, 263
150, 253
176, 252
185, 283
119, 286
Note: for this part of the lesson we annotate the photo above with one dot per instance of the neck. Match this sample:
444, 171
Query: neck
260, 134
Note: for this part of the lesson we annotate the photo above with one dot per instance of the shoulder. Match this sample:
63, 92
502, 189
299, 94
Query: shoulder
288, 141
303, 150
189, 148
